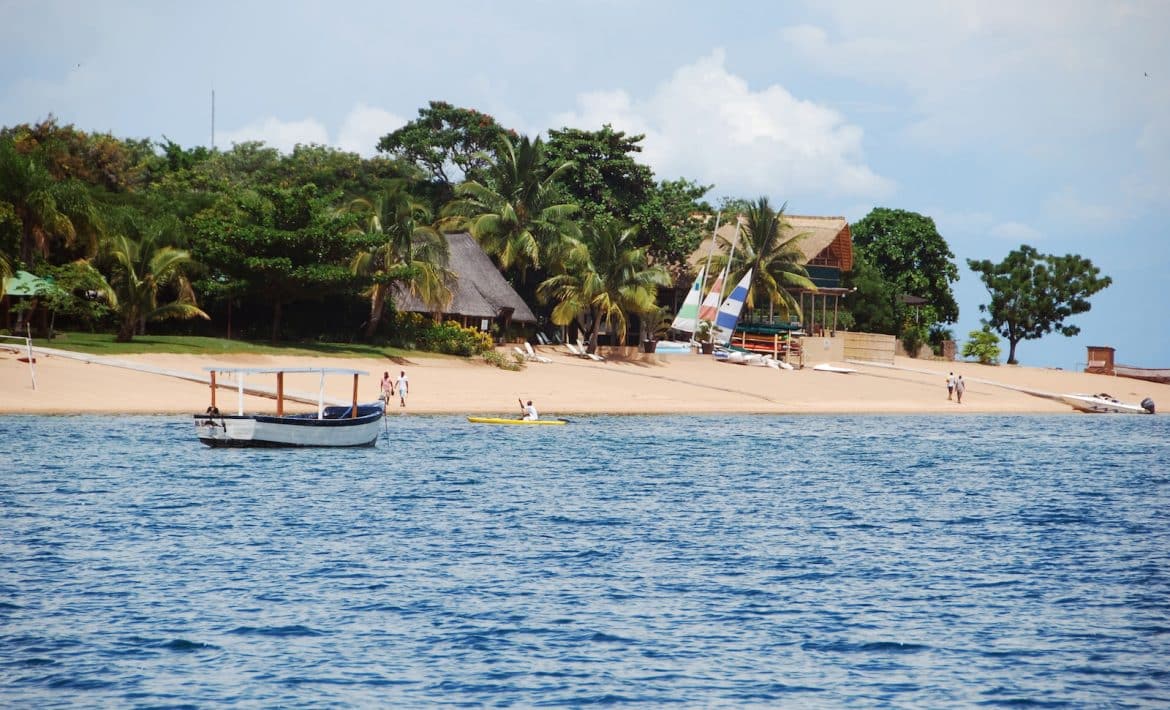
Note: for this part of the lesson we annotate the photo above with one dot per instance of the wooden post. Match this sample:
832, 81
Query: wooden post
353, 412
280, 394
213, 388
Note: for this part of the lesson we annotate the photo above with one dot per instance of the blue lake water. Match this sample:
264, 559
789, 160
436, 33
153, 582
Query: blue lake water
703, 561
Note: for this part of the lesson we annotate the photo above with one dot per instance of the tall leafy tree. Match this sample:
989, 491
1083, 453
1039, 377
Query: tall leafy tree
771, 249
517, 214
141, 271
912, 258
277, 246
605, 179
606, 278
1032, 294
872, 300
449, 143
412, 252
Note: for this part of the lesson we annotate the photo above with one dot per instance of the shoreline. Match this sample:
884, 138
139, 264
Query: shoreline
629, 383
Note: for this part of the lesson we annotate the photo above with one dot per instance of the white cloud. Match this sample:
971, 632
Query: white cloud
282, 135
1016, 232
364, 126
708, 124
359, 133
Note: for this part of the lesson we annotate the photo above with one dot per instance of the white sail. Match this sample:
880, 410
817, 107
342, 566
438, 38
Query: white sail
685, 321
728, 316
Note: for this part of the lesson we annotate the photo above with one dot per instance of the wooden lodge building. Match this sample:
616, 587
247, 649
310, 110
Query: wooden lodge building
827, 245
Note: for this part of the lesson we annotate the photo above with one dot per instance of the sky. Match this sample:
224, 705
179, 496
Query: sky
1006, 122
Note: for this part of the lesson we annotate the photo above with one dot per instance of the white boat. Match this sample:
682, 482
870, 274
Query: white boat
826, 367
1104, 403
331, 425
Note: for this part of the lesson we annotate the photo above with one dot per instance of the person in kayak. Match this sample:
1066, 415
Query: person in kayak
530, 414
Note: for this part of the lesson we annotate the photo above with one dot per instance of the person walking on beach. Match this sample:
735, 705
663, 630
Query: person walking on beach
960, 387
403, 387
387, 388
950, 385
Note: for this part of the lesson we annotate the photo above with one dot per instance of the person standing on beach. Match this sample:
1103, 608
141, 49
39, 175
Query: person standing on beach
403, 387
387, 388
950, 385
960, 387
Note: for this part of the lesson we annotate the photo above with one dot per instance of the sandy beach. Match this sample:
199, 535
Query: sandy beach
630, 383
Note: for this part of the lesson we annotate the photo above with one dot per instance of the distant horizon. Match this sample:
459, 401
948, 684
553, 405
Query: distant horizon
1045, 124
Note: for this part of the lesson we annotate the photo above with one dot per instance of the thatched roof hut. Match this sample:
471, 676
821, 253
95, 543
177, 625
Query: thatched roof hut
478, 289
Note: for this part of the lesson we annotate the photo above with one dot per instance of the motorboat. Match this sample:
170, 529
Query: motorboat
1105, 403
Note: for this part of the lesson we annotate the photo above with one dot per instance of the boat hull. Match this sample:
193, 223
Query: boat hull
502, 420
337, 429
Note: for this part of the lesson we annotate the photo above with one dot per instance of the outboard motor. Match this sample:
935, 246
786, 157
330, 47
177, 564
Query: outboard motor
1148, 405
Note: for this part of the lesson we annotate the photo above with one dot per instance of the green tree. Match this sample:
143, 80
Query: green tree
447, 142
412, 252
1032, 293
50, 214
605, 278
912, 258
516, 214
142, 269
871, 302
768, 246
277, 246
607, 182
982, 345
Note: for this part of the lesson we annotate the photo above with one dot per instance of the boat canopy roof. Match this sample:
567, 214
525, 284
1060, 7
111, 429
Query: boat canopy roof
276, 370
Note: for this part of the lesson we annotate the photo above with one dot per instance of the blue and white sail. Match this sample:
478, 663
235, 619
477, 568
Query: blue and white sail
688, 313
728, 315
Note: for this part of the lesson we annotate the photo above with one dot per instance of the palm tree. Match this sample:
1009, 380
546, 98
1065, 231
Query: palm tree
414, 253
515, 215
45, 209
772, 252
140, 269
606, 277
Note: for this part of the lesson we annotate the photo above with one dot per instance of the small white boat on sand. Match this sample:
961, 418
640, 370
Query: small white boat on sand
337, 425
1107, 404
826, 367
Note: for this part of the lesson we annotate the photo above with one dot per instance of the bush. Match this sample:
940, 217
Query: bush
502, 361
982, 345
938, 335
912, 339
453, 339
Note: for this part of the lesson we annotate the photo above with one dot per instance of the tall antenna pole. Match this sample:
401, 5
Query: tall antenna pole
213, 119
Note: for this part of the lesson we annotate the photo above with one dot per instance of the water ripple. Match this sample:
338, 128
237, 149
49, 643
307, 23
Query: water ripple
708, 561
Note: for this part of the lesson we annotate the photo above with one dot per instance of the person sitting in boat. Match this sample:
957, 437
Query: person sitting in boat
530, 414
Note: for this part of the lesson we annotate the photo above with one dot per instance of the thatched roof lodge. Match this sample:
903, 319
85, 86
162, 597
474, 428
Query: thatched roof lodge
479, 291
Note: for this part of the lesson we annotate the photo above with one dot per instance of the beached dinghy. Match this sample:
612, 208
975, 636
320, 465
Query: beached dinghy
1104, 403
346, 425
505, 420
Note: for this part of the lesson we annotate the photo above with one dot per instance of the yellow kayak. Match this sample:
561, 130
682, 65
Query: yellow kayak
502, 420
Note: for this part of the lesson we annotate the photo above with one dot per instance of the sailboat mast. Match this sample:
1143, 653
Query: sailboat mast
707, 268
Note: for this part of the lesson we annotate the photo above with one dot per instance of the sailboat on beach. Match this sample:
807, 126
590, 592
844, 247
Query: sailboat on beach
686, 320
728, 315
